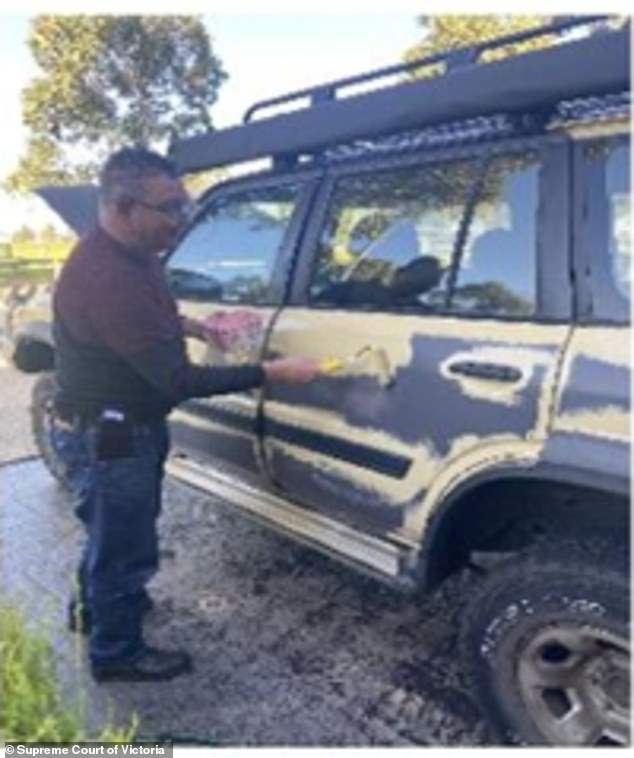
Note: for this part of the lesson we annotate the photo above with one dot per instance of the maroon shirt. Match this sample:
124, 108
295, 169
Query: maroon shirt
119, 337
116, 297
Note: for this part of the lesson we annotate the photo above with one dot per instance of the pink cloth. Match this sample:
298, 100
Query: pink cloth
231, 327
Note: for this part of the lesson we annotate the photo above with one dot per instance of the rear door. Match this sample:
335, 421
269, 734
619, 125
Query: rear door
591, 429
442, 286
235, 255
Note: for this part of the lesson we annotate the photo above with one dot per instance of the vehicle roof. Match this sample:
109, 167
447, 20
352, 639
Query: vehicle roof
514, 87
593, 117
579, 87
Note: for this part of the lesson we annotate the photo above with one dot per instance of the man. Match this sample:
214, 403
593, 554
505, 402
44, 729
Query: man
121, 366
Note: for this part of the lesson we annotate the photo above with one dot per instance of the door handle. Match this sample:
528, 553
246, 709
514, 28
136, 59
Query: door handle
498, 372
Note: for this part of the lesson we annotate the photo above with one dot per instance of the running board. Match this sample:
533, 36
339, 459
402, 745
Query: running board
370, 554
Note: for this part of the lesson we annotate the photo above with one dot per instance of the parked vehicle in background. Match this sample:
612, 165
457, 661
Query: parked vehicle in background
457, 250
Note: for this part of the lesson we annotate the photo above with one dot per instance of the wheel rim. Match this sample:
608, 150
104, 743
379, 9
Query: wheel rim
574, 681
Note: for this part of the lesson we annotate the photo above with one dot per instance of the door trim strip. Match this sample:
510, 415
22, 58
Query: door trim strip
388, 464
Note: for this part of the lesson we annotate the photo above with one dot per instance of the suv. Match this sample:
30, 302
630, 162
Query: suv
457, 249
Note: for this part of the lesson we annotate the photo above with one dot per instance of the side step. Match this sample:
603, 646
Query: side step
381, 559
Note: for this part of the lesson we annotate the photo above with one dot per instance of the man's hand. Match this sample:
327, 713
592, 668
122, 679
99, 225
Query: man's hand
297, 369
193, 327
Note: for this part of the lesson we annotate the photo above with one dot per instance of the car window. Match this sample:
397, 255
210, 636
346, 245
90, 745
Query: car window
390, 237
605, 219
617, 187
229, 254
497, 273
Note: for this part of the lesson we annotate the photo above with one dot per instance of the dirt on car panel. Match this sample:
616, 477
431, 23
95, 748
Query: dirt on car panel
595, 384
488, 421
425, 460
372, 514
594, 398
191, 433
414, 409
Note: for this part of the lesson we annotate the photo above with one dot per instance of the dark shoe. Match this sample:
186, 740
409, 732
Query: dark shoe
151, 665
80, 618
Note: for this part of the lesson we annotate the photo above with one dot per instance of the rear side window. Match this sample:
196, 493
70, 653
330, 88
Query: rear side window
230, 253
457, 237
605, 227
617, 190
497, 273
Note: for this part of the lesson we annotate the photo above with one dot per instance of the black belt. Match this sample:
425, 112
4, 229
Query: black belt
82, 419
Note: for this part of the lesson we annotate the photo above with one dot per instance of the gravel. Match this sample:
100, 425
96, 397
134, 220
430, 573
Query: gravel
289, 647
15, 394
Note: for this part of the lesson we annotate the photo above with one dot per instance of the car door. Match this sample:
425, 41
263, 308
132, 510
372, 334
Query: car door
441, 286
591, 428
234, 255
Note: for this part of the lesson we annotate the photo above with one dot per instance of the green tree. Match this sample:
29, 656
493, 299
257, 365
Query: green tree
23, 234
198, 183
48, 235
449, 32
453, 31
109, 81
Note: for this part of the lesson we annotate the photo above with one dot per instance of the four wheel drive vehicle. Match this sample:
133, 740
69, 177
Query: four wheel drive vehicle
477, 410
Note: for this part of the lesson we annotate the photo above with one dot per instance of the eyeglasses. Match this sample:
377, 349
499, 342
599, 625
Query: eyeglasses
173, 208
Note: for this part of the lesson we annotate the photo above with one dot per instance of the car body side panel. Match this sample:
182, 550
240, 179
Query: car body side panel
408, 405
221, 430
591, 425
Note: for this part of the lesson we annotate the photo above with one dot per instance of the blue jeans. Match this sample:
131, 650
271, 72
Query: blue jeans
118, 500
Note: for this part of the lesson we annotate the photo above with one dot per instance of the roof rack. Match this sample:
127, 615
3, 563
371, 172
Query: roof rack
454, 58
526, 83
486, 129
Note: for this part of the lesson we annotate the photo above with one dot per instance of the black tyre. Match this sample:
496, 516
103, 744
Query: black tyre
546, 642
43, 423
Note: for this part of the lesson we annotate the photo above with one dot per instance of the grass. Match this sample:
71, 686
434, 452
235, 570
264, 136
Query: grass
31, 706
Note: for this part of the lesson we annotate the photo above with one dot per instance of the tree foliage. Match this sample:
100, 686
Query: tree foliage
23, 234
448, 32
200, 182
109, 81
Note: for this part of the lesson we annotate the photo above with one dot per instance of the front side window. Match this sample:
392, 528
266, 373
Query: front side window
392, 239
229, 255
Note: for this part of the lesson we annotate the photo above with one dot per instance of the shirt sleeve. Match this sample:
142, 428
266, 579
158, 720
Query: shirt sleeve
140, 329
166, 367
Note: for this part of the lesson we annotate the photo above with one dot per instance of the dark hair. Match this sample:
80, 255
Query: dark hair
124, 171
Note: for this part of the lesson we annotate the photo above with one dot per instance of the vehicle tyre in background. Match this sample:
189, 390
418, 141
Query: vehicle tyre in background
48, 443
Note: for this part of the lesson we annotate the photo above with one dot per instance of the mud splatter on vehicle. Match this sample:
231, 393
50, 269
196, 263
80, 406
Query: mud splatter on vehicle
457, 250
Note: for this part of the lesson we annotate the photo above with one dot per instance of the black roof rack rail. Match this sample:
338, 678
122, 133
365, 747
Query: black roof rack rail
453, 58
531, 82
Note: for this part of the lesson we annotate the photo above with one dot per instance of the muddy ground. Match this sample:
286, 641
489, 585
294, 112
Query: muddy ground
290, 648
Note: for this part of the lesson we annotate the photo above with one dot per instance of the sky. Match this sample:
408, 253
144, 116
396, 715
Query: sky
266, 48
265, 54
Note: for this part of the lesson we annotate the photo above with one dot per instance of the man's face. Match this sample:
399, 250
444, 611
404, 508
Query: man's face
158, 213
